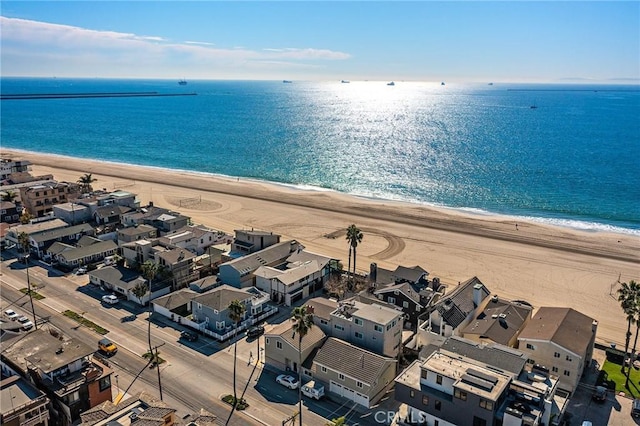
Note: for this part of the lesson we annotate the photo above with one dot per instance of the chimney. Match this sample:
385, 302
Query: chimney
477, 294
594, 326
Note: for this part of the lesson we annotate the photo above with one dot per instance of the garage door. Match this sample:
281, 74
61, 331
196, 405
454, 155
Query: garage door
349, 394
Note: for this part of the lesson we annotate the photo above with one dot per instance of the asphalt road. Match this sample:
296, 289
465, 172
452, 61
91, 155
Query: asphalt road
195, 375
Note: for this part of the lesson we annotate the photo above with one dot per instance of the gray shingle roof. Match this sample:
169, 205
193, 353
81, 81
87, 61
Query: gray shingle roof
352, 361
500, 321
455, 307
264, 257
221, 297
285, 331
495, 355
54, 234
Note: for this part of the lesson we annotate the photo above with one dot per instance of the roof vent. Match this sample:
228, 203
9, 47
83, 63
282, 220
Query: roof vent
495, 298
60, 350
502, 315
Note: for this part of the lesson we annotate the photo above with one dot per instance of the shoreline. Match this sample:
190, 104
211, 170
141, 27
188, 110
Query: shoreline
543, 264
471, 212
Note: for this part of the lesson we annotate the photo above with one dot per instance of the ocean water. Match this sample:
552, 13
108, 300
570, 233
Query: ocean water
570, 161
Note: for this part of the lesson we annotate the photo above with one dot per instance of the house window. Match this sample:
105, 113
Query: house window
412, 393
378, 328
359, 335
477, 421
405, 304
266, 341
530, 346
392, 300
417, 308
554, 369
487, 405
425, 400
439, 379
359, 384
338, 327
357, 321
460, 394
219, 325
567, 373
323, 369
279, 345
104, 383
324, 322
556, 354
341, 376
568, 358
438, 405
423, 374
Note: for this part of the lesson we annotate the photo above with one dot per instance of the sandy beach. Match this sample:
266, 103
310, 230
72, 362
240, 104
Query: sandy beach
544, 265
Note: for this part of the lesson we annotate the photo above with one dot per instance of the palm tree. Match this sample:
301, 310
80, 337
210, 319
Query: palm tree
9, 195
140, 289
633, 308
354, 236
628, 298
86, 181
149, 271
302, 318
236, 313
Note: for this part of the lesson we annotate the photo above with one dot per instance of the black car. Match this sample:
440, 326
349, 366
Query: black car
189, 336
255, 331
600, 395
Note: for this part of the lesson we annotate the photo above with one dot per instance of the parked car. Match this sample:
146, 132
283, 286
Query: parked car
313, 389
81, 271
189, 336
26, 323
110, 299
255, 331
107, 346
288, 381
11, 314
600, 394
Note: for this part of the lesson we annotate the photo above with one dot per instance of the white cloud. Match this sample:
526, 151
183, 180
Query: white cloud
92, 50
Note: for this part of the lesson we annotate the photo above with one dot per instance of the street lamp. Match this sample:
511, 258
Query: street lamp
33, 311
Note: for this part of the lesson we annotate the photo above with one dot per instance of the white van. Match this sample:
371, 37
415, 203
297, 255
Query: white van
313, 390
110, 299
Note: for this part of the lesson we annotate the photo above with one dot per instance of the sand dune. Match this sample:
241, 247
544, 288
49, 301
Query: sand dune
545, 265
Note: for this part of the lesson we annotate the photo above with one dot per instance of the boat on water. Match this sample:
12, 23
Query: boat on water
533, 106
442, 83
287, 81
391, 83
182, 82
490, 84
345, 81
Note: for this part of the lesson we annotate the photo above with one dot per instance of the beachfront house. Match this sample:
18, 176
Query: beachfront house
500, 321
352, 373
250, 241
9, 166
195, 238
452, 313
239, 272
64, 368
39, 199
561, 339
163, 220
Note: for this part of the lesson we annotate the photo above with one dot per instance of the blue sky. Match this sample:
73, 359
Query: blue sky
510, 41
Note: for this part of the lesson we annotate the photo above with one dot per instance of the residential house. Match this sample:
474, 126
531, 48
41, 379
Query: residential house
205, 284
296, 282
246, 242
123, 281
467, 383
452, 313
164, 220
411, 299
142, 409
135, 233
500, 321
9, 212
561, 339
88, 250
64, 368
41, 241
239, 272
21, 403
33, 228
195, 238
39, 199
179, 265
110, 214
281, 347
212, 308
370, 326
72, 212
9, 166
353, 373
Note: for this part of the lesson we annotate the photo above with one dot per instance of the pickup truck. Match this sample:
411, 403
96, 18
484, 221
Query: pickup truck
313, 389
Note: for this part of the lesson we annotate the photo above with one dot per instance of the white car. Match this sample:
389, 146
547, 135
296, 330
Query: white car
26, 323
110, 299
81, 271
11, 314
288, 381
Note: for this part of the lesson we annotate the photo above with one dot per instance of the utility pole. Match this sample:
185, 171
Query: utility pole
33, 311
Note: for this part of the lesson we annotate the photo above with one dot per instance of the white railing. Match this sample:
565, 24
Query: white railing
243, 325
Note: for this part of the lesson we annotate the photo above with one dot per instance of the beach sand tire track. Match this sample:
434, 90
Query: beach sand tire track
395, 244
